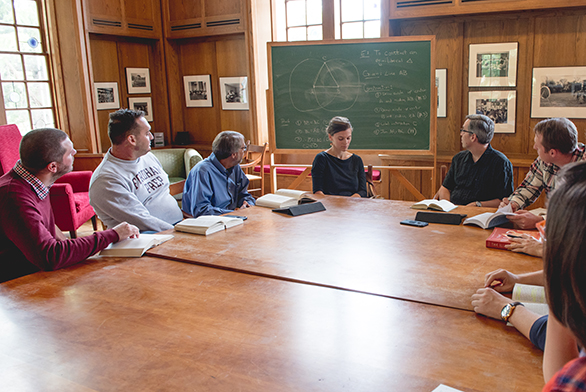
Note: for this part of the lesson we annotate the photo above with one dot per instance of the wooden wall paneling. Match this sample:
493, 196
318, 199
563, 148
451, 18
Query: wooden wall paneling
105, 66
560, 41
498, 30
176, 94
135, 53
449, 55
227, 51
259, 33
106, 9
158, 73
71, 71
143, 17
198, 57
222, 7
181, 10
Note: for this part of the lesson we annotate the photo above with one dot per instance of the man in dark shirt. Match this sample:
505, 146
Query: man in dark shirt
479, 176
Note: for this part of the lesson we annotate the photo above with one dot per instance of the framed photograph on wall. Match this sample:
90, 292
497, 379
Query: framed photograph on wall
498, 105
493, 64
234, 93
139, 81
107, 95
441, 81
143, 103
559, 92
198, 91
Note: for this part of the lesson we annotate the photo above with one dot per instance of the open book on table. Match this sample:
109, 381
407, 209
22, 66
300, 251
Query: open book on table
488, 220
284, 198
135, 247
432, 204
533, 297
208, 224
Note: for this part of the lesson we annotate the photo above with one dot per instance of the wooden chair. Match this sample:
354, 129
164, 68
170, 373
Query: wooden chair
255, 156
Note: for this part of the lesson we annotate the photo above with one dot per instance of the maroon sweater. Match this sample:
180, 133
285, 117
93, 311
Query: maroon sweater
27, 233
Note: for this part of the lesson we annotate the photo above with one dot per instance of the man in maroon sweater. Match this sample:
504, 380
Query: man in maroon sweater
29, 240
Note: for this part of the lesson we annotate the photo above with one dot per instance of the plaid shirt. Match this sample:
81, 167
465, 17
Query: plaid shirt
572, 378
41, 190
541, 177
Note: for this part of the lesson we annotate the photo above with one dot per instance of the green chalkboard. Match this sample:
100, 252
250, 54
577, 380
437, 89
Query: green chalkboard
383, 87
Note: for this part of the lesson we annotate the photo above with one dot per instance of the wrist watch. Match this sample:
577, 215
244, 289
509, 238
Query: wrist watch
478, 204
508, 309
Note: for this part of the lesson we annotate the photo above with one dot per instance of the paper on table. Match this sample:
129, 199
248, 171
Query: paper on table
445, 388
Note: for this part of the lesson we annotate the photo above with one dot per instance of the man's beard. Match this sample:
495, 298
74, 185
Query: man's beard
62, 170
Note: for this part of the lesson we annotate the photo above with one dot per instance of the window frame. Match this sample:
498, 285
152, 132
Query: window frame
46, 52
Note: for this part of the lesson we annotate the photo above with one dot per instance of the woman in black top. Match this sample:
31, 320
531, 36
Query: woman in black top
337, 171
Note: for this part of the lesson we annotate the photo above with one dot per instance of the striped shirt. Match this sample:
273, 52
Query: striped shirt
40, 189
541, 178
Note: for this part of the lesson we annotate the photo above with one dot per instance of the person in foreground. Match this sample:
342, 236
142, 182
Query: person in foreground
337, 171
29, 240
478, 176
564, 270
130, 183
556, 142
217, 185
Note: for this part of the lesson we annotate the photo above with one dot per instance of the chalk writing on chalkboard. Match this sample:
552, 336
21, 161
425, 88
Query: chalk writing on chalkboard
384, 88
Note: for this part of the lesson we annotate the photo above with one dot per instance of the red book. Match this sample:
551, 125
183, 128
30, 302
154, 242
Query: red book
501, 236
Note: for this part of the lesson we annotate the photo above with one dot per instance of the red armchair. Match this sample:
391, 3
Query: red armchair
69, 195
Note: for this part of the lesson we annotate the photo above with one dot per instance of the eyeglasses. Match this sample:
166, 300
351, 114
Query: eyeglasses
463, 130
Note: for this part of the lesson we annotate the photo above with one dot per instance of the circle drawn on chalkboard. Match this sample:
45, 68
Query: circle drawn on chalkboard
333, 85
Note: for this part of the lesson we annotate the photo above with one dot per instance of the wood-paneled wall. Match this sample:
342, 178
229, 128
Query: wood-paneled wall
219, 57
110, 56
546, 39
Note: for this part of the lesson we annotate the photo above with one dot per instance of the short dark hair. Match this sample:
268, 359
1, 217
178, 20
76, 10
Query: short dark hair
226, 143
122, 123
565, 250
558, 133
40, 147
482, 126
338, 124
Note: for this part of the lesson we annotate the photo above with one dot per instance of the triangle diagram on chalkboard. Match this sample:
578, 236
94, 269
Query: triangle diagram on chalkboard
325, 78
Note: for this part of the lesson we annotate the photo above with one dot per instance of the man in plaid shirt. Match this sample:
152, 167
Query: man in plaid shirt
556, 142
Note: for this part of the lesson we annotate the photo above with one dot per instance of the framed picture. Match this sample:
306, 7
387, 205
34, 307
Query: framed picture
107, 95
493, 64
198, 91
139, 81
234, 93
441, 81
559, 92
143, 103
498, 105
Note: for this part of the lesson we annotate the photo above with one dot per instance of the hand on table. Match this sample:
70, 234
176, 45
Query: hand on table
126, 230
524, 219
501, 280
243, 206
489, 303
526, 244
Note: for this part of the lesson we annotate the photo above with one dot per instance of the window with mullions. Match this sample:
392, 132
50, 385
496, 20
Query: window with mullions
24, 71
303, 20
298, 20
357, 19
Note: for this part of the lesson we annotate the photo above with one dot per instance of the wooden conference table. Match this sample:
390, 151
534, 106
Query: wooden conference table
358, 245
156, 324
152, 324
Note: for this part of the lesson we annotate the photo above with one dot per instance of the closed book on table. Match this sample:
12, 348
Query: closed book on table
301, 209
501, 237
